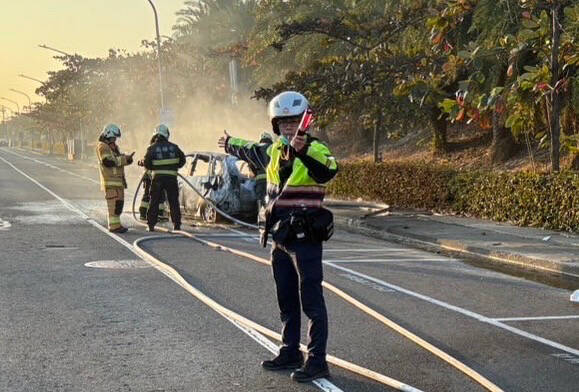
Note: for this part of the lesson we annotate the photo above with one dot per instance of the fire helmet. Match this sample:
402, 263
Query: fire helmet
162, 130
111, 131
286, 104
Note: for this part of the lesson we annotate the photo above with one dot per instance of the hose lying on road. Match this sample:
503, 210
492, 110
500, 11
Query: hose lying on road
226, 312
369, 311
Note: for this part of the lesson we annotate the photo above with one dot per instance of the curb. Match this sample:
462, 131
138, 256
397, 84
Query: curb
456, 248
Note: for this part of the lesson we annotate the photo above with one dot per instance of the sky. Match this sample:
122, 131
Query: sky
87, 27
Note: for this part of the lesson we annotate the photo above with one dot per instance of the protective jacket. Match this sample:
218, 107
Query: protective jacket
164, 158
297, 182
111, 165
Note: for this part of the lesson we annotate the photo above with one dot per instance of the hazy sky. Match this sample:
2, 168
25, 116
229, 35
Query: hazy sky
86, 27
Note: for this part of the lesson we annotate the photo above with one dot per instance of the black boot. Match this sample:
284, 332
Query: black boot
310, 372
119, 230
284, 361
143, 213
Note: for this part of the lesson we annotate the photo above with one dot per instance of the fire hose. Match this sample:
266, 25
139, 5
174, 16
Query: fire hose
369, 311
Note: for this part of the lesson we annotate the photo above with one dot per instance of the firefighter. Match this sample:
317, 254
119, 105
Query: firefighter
147, 178
164, 159
112, 173
298, 167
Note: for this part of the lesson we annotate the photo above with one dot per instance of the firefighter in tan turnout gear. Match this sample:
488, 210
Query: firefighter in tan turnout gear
112, 173
297, 167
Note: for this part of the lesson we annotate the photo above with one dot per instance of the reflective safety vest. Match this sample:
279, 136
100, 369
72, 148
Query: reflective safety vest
114, 176
299, 190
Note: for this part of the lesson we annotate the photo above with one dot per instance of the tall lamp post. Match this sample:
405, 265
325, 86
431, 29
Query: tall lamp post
4, 123
11, 142
36, 80
26, 95
158, 56
31, 78
14, 102
81, 133
54, 50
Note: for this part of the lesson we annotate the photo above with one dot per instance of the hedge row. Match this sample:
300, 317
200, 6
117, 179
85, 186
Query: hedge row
547, 201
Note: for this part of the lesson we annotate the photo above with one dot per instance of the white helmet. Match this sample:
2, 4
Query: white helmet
162, 130
286, 104
111, 131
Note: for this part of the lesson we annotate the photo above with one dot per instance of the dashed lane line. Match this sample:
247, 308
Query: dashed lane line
4, 225
537, 318
460, 310
377, 261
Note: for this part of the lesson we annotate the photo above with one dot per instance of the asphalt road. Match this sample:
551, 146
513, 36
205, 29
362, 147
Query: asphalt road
67, 326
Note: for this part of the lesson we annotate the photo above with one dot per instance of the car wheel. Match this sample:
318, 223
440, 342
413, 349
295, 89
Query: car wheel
209, 214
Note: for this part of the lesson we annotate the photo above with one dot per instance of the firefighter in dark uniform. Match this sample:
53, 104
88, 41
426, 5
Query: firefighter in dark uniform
146, 198
298, 167
164, 160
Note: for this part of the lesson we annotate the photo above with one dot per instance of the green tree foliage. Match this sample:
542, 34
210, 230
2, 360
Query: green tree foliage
373, 69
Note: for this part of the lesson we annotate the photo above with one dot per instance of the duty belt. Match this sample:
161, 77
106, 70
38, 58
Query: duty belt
298, 196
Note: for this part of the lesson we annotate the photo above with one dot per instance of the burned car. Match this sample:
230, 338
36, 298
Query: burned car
223, 179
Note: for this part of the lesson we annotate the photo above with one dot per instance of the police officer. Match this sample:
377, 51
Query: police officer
146, 198
164, 159
298, 166
112, 174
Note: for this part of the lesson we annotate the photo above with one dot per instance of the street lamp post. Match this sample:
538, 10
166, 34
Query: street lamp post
14, 102
54, 50
158, 56
10, 141
4, 125
31, 78
26, 95
81, 133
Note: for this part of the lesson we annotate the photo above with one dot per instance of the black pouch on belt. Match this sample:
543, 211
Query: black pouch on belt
281, 231
321, 224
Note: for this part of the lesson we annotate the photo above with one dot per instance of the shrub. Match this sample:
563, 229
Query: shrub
526, 199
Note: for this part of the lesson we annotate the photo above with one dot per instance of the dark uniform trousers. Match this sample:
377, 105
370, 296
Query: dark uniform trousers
146, 199
160, 184
298, 273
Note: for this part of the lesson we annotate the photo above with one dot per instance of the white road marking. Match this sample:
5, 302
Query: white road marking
227, 235
4, 225
460, 310
241, 234
567, 358
323, 384
365, 282
377, 260
53, 167
370, 250
391, 286
537, 318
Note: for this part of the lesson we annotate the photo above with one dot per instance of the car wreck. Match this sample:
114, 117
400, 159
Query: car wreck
224, 180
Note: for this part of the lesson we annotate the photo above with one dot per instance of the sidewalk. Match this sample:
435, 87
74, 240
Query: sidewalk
533, 249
